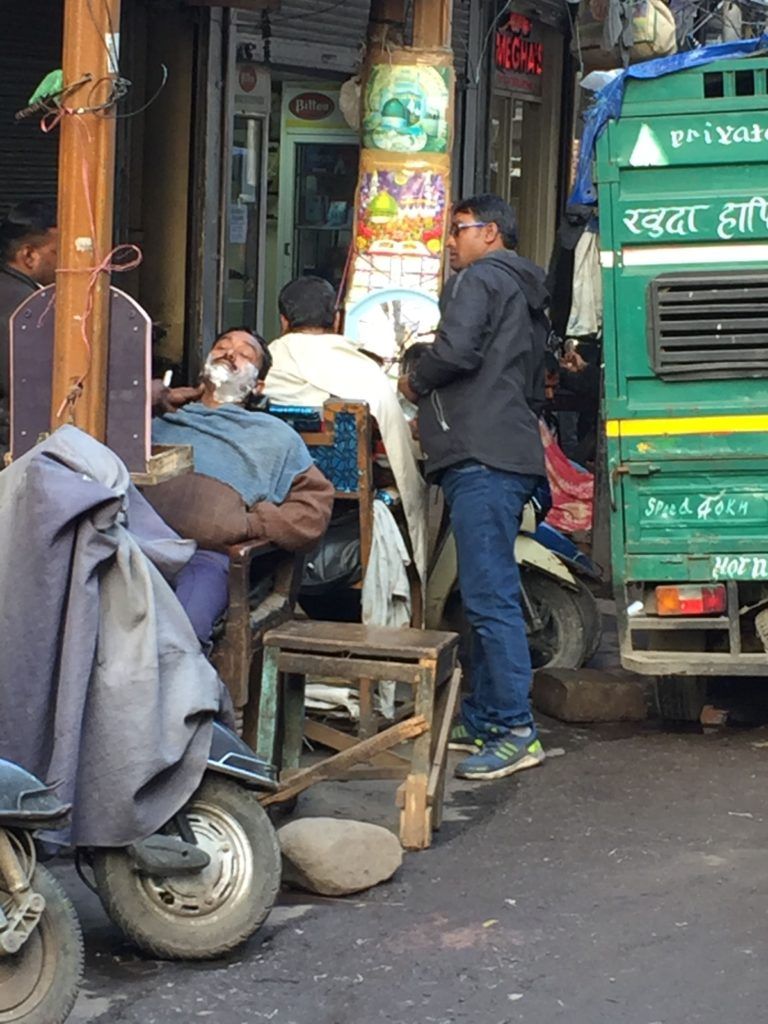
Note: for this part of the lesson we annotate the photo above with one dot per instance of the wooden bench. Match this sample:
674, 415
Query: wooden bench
359, 656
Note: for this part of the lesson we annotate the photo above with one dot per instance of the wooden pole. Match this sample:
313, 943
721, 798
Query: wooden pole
85, 212
432, 24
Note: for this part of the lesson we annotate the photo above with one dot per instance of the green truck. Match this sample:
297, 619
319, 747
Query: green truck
682, 180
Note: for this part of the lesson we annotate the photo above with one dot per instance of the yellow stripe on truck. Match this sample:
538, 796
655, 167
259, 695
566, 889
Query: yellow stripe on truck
745, 424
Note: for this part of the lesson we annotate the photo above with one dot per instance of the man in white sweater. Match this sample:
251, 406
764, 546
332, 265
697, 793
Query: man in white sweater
311, 363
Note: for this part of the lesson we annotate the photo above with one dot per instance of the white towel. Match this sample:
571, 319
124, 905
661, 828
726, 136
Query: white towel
386, 588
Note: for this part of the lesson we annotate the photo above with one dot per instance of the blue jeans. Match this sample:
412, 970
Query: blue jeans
486, 506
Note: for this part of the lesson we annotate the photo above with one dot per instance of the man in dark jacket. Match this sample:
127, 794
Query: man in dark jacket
476, 388
28, 241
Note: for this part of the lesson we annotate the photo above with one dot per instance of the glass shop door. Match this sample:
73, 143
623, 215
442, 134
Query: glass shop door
245, 222
318, 181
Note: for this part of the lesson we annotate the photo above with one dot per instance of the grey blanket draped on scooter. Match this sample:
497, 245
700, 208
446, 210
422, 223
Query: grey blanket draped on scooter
103, 687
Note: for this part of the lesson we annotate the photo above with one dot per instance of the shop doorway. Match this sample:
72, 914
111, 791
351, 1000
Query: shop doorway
506, 161
318, 179
517, 169
244, 194
312, 189
243, 277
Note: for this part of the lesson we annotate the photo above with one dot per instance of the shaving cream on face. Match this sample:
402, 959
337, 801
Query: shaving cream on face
229, 385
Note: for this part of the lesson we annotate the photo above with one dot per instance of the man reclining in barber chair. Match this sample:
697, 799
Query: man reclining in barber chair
253, 477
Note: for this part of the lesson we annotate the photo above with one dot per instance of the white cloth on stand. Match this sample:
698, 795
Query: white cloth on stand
386, 594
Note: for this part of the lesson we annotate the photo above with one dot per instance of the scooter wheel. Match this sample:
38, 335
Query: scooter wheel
39, 984
559, 641
592, 620
206, 914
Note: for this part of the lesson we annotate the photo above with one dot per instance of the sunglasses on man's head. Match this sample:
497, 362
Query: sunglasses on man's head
456, 228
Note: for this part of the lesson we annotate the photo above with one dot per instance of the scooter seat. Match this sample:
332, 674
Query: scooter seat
25, 800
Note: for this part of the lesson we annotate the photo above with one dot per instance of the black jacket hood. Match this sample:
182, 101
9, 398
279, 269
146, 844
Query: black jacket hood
529, 277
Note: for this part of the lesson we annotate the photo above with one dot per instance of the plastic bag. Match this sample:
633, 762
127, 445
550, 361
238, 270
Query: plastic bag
335, 562
654, 32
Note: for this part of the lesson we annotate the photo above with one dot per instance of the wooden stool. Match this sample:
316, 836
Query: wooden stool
360, 656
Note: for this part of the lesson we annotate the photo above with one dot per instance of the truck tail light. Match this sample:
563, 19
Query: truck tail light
691, 600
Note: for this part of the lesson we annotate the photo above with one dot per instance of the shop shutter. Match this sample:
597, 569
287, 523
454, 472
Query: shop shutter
328, 36
319, 35
30, 47
460, 40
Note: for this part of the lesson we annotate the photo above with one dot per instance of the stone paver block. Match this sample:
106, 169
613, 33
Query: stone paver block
590, 695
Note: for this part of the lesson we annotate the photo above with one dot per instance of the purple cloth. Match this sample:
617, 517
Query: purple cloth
202, 588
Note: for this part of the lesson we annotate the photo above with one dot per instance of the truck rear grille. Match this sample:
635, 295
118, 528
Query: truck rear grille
708, 325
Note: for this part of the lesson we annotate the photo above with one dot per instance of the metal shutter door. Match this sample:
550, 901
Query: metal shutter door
310, 34
30, 47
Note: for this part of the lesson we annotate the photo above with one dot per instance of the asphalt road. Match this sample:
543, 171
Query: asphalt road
624, 882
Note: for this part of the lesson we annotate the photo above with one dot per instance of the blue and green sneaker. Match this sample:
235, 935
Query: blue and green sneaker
501, 757
462, 738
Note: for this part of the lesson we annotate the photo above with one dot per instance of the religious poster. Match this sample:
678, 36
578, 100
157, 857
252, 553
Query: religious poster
400, 226
406, 108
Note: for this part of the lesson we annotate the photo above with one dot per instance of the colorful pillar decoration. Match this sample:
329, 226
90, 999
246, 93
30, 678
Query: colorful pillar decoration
403, 195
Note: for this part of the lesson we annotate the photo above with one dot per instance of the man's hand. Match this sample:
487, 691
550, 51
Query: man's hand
172, 399
573, 361
405, 389
177, 397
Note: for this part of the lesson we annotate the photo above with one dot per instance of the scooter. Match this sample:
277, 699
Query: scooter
206, 882
41, 944
562, 618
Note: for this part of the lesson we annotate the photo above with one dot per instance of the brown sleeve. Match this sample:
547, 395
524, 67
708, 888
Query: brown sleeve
214, 514
202, 509
301, 520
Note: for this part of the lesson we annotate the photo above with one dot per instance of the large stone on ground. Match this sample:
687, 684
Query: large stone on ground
335, 857
590, 695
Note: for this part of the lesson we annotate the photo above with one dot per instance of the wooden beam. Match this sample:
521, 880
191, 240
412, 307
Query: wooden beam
362, 751
432, 22
86, 196
319, 732
387, 11
444, 714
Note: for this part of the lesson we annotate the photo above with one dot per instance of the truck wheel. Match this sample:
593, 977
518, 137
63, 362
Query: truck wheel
39, 984
561, 640
210, 912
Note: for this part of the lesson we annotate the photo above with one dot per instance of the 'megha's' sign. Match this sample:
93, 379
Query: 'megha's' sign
519, 55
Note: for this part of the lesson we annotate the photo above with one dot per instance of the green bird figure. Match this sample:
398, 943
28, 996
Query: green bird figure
50, 87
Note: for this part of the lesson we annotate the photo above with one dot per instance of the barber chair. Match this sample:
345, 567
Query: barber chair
341, 439
252, 609
338, 437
